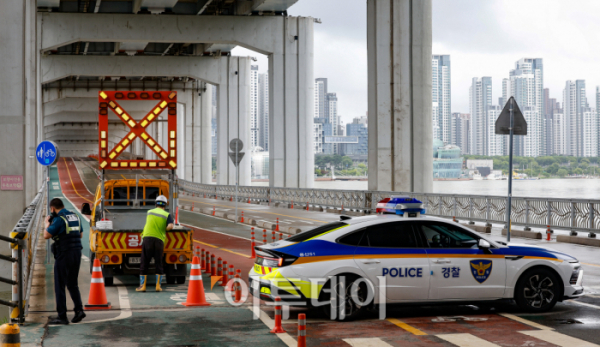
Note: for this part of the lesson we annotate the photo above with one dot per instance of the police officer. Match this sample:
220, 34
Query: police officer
158, 222
64, 227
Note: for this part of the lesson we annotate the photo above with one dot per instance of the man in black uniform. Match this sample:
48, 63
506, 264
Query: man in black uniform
64, 227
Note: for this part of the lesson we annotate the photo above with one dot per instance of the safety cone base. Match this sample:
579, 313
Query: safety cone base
106, 306
277, 330
192, 305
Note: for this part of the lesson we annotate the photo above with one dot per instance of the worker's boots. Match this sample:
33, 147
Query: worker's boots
142, 287
158, 279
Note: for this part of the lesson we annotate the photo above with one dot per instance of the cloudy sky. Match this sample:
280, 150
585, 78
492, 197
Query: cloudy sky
483, 38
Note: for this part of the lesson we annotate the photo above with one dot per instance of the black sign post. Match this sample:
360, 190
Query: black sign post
510, 122
236, 145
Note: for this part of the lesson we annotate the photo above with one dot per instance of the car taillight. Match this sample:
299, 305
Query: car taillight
182, 258
172, 258
105, 259
114, 259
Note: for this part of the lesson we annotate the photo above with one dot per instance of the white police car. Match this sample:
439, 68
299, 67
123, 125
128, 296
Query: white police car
410, 258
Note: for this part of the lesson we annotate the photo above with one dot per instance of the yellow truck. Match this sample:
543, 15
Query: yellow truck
118, 218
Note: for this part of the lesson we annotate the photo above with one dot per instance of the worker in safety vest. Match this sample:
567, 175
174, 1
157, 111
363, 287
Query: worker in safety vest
158, 222
64, 227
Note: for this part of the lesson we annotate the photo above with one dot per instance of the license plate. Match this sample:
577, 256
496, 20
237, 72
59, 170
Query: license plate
136, 260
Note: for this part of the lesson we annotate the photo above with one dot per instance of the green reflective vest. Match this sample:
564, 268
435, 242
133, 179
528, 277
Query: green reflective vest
156, 224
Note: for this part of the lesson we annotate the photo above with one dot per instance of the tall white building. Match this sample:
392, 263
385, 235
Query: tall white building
559, 133
321, 104
263, 110
462, 125
496, 144
598, 115
574, 103
441, 97
590, 133
480, 97
526, 85
254, 116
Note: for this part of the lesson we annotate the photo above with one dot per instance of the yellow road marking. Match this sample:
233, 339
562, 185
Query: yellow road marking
406, 327
73, 184
588, 264
223, 249
260, 211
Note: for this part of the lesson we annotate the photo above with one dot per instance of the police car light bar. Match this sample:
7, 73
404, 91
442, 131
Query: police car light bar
407, 207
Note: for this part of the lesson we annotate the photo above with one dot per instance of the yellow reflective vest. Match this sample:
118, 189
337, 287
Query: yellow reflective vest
156, 224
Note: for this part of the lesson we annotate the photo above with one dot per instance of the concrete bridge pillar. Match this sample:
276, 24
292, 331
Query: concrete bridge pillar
198, 160
399, 65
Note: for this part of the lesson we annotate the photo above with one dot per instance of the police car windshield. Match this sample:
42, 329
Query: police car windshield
315, 232
442, 235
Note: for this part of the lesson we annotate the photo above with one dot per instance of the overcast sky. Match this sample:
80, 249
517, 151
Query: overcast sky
483, 38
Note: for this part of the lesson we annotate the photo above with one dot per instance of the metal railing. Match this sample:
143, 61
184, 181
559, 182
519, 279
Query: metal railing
23, 241
569, 214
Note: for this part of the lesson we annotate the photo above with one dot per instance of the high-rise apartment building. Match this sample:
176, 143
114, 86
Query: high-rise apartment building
574, 104
441, 98
254, 124
598, 115
359, 129
496, 144
559, 133
526, 85
321, 103
480, 97
263, 111
462, 131
589, 132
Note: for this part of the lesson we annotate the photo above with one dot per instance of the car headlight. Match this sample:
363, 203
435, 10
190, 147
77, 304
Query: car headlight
575, 274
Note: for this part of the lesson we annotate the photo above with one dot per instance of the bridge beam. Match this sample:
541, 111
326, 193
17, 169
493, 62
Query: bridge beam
399, 66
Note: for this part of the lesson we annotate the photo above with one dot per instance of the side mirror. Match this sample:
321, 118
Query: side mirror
485, 245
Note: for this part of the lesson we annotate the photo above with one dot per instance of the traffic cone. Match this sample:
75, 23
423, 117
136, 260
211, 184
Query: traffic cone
208, 266
242, 220
224, 274
548, 234
277, 329
203, 262
301, 330
195, 296
230, 277
238, 289
277, 226
252, 245
97, 299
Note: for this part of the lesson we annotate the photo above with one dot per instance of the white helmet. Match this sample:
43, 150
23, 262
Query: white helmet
161, 201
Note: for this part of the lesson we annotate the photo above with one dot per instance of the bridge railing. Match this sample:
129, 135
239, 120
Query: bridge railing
570, 214
23, 240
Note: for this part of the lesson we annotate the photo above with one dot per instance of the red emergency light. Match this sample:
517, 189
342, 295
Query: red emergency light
166, 100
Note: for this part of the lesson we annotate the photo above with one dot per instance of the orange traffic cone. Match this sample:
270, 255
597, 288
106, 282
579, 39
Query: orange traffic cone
97, 299
195, 296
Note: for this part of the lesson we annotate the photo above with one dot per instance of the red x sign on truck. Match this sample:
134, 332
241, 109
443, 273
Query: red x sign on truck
165, 100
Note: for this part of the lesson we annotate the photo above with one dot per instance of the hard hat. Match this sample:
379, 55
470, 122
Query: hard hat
161, 200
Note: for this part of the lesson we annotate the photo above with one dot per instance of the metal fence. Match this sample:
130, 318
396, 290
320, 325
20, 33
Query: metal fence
23, 241
569, 214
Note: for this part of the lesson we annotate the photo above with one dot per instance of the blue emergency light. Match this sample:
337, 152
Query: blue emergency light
405, 204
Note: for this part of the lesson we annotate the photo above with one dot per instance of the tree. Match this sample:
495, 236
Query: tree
346, 162
562, 173
578, 171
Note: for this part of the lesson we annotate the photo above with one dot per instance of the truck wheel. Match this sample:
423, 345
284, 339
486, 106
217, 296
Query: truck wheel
170, 280
108, 281
180, 279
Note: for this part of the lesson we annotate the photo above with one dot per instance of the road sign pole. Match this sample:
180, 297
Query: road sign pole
48, 209
510, 169
237, 179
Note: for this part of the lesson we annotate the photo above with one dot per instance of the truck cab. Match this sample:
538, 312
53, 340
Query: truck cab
117, 221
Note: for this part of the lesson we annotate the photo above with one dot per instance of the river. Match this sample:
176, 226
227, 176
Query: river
549, 188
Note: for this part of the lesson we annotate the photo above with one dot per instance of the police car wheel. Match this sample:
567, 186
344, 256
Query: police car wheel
346, 302
537, 290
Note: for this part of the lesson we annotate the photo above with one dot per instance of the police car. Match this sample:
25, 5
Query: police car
408, 257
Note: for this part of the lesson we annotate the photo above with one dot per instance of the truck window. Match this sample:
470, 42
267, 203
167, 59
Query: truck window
119, 193
151, 193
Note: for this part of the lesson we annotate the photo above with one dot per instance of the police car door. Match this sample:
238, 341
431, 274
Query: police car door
392, 250
460, 270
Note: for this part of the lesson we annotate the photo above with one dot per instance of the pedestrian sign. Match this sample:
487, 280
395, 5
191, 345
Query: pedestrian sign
47, 153
165, 100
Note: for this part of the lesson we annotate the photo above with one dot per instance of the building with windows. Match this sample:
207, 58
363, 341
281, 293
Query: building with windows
461, 128
589, 132
497, 144
441, 98
574, 104
358, 129
480, 97
559, 133
263, 111
447, 162
254, 124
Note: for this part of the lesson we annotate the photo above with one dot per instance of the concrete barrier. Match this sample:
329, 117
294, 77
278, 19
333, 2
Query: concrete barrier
207, 210
250, 221
333, 210
478, 228
186, 207
266, 225
523, 233
586, 241
220, 214
233, 218
316, 208
293, 230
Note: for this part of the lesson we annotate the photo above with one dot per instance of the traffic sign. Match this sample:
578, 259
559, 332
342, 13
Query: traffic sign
236, 145
236, 161
503, 121
47, 153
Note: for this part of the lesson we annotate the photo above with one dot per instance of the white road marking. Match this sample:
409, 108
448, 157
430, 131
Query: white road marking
285, 337
367, 342
466, 340
558, 339
585, 303
525, 321
85, 258
124, 304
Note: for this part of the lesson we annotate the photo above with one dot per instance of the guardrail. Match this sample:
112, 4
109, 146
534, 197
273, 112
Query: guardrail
23, 241
569, 214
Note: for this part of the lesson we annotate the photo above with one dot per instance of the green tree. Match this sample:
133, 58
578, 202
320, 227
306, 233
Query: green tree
578, 171
346, 162
562, 173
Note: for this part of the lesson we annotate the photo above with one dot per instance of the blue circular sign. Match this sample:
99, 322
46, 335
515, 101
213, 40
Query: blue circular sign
47, 153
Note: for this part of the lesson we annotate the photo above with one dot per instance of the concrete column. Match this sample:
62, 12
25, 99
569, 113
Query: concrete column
203, 132
291, 104
198, 162
13, 98
399, 65
233, 114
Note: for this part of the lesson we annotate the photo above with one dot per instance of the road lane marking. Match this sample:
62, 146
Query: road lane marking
367, 342
588, 264
124, 305
525, 321
406, 327
558, 339
466, 340
73, 184
258, 211
223, 249
585, 303
284, 337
